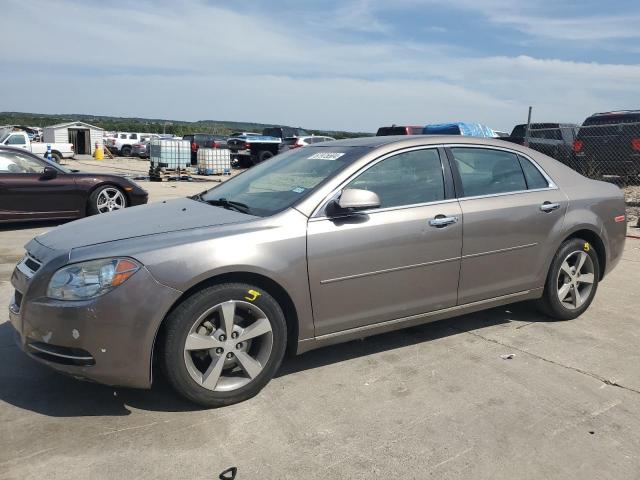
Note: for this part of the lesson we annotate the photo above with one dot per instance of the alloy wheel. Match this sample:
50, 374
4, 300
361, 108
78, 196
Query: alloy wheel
228, 346
110, 199
575, 279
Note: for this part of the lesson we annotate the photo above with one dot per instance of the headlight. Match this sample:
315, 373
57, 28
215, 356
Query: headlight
81, 281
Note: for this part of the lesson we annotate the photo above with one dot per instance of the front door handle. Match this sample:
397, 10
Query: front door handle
441, 221
549, 207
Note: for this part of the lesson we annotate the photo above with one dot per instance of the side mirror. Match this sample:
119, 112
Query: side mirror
357, 199
48, 173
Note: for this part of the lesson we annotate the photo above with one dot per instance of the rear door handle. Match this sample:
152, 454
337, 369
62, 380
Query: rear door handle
549, 207
441, 221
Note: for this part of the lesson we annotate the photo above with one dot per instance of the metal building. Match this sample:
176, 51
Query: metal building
82, 135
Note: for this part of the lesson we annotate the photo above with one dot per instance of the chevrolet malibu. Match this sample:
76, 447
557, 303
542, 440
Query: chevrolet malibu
320, 245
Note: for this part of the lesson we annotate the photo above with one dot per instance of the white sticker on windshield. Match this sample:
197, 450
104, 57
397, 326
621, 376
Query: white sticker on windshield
298, 190
325, 156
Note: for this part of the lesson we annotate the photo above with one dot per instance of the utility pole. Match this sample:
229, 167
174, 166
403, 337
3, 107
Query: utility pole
526, 132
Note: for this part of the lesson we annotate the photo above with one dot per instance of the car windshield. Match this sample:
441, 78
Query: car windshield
282, 181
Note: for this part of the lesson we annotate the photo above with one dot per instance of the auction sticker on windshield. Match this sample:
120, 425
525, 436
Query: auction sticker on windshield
326, 156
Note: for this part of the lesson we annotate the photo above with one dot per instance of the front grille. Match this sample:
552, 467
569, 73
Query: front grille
62, 355
32, 264
29, 266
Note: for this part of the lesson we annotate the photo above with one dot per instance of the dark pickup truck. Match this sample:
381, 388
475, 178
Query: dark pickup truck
609, 144
552, 139
250, 149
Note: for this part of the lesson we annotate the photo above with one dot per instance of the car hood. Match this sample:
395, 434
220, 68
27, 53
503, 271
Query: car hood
145, 220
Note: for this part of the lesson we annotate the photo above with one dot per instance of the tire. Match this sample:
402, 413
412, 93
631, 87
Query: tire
264, 155
115, 198
189, 370
125, 151
56, 157
576, 252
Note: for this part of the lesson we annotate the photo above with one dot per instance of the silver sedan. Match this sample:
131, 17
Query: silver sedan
328, 243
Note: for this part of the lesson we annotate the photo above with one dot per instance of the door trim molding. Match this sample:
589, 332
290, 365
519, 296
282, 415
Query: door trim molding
501, 250
387, 270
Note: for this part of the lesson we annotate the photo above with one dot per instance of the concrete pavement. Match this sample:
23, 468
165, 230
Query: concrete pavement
435, 401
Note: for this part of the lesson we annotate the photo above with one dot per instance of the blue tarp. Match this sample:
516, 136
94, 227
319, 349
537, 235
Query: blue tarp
459, 128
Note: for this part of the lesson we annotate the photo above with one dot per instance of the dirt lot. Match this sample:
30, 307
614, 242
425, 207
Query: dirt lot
435, 401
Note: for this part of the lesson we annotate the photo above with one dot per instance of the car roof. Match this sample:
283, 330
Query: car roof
411, 140
616, 114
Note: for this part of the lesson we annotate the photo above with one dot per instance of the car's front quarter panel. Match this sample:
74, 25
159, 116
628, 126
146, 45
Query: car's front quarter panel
272, 247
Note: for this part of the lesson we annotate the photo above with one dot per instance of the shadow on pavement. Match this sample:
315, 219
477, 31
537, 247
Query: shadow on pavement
29, 385
13, 226
521, 312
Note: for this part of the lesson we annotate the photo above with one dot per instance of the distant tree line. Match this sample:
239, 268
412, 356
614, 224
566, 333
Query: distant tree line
146, 125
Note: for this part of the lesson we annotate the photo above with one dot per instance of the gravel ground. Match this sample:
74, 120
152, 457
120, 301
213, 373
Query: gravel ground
632, 197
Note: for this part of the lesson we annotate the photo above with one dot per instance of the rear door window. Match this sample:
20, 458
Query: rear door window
484, 171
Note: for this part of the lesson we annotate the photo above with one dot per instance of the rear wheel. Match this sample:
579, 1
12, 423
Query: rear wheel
264, 155
572, 280
125, 151
223, 344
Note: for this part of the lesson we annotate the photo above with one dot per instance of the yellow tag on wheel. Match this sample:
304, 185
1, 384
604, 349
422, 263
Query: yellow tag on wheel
587, 247
252, 295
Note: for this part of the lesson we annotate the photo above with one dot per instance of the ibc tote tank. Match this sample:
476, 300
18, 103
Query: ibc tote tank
170, 154
214, 161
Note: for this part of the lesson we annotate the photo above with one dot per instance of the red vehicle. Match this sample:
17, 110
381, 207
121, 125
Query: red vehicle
399, 130
203, 140
32, 188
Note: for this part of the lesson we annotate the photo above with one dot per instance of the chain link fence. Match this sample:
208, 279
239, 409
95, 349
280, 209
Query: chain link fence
608, 150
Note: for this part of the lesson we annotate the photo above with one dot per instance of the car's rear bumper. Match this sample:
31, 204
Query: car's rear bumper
108, 339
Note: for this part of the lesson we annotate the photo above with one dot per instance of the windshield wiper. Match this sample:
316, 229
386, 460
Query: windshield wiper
229, 204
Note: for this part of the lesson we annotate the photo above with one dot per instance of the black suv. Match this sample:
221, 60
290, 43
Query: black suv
284, 132
553, 139
609, 144
203, 140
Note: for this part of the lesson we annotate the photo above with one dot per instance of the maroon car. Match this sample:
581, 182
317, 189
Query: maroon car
32, 188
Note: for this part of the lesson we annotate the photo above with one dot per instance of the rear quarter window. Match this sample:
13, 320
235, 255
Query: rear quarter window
534, 178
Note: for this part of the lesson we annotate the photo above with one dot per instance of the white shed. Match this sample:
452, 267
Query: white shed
82, 135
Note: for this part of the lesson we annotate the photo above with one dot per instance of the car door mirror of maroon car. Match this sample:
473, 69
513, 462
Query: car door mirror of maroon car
353, 200
48, 173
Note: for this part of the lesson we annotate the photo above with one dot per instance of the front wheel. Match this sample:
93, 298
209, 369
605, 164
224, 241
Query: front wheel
223, 344
572, 280
106, 199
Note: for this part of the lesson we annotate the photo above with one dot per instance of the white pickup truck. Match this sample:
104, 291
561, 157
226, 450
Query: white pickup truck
122, 143
21, 140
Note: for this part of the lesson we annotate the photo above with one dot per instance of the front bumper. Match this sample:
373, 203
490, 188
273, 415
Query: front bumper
138, 197
108, 339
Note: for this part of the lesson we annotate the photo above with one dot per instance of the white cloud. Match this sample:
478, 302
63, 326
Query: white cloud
214, 63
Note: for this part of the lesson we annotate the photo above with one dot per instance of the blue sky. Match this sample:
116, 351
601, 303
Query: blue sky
352, 64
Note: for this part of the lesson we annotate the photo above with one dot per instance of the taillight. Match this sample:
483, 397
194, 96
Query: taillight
635, 144
194, 147
577, 146
216, 145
